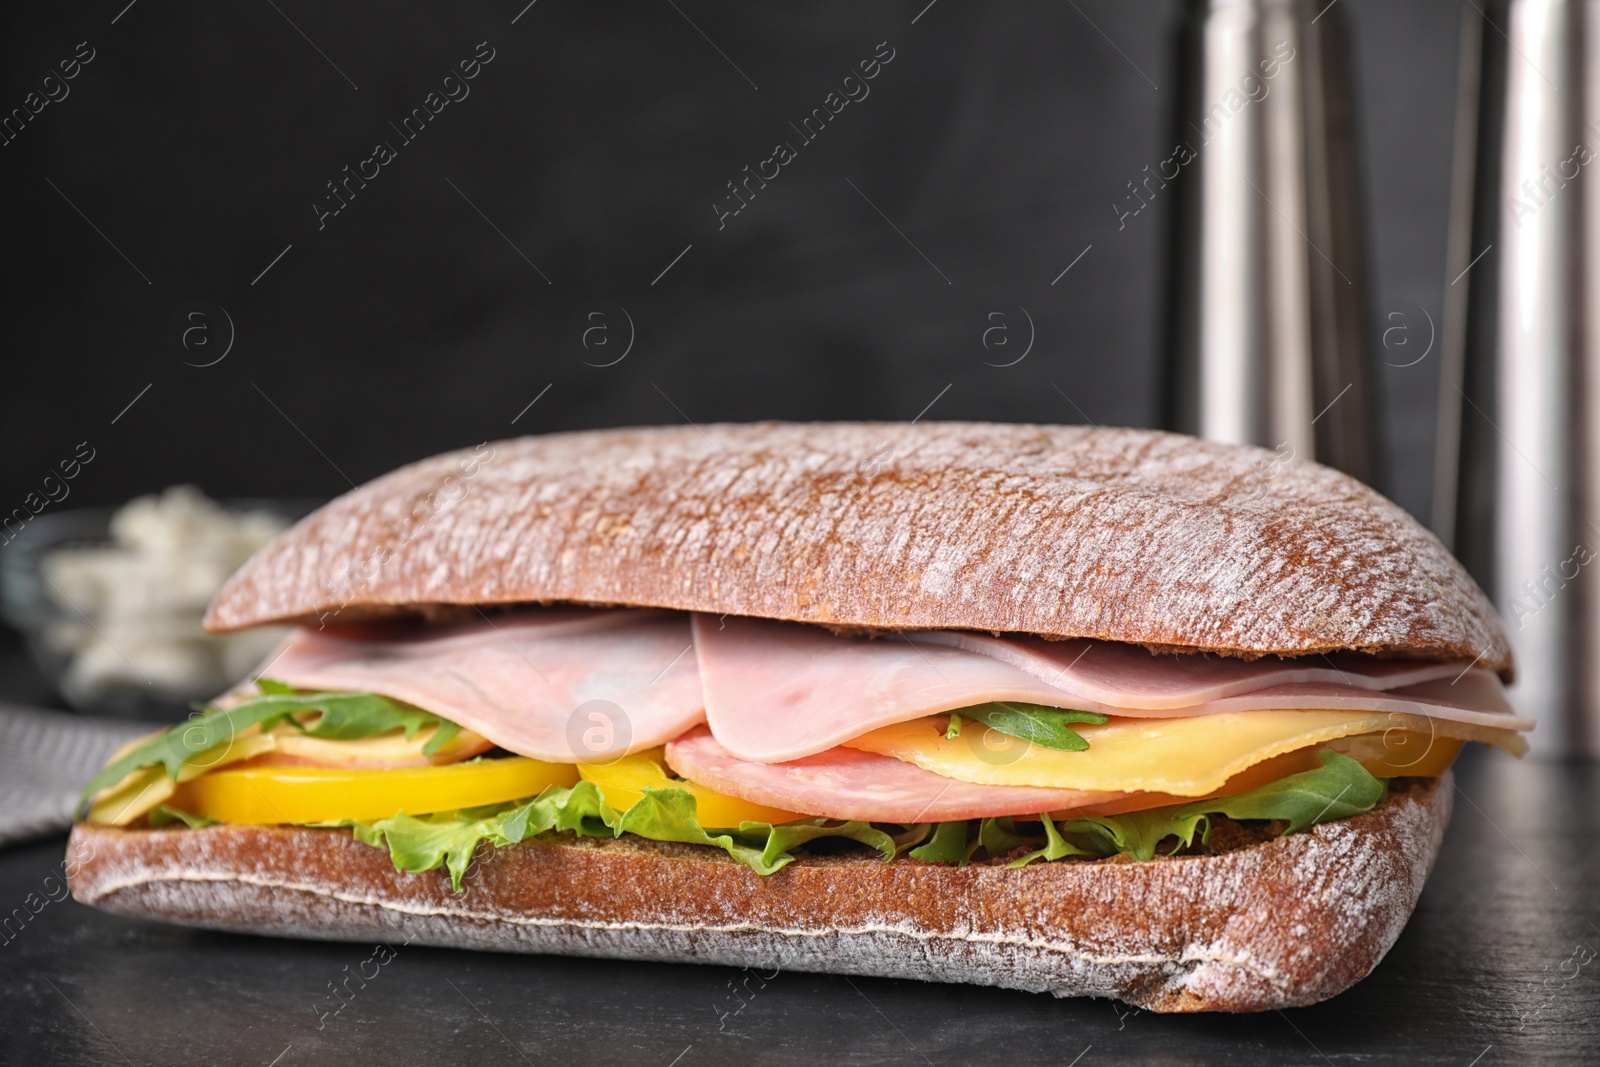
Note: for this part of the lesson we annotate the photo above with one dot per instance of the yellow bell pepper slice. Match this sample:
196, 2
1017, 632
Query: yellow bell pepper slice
1401, 753
624, 782
295, 794
147, 787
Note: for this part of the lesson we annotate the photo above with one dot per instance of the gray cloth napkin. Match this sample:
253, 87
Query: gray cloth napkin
46, 757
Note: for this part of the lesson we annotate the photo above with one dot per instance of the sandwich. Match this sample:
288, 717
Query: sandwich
1111, 713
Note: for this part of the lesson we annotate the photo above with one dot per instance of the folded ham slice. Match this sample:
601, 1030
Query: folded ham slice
1131, 678
844, 783
776, 692
565, 685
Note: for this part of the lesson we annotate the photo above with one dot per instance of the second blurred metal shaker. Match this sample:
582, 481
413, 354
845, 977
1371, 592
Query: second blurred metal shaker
1545, 565
1269, 340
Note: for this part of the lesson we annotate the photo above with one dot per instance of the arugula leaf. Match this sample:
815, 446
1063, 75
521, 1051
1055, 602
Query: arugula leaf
948, 845
161, 815
1055, 847
443, 734
996, 836
1340, 788
1137, 833
1043, 726
352, 716
344, 716
953, 731
912, 835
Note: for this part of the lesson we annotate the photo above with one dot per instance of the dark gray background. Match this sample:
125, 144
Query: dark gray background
596, 142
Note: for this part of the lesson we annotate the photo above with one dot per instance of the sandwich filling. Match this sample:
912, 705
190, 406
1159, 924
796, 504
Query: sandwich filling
764, 739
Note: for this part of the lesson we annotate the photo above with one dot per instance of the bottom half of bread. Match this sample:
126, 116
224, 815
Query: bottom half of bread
1290, 921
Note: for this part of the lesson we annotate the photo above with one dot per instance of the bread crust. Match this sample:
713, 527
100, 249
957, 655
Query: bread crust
1288, 922
1125, 535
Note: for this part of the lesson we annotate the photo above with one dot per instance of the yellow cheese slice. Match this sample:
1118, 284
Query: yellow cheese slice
1187, 757
145, 788
393, 749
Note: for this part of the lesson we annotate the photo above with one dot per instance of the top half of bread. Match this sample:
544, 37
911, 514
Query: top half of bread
1124, 535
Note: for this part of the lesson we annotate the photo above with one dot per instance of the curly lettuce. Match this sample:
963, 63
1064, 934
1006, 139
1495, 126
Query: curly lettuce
1338, 789
451, 839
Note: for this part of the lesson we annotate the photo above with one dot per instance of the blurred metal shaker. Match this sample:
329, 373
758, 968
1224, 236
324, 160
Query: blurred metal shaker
1269, 342
1535, 407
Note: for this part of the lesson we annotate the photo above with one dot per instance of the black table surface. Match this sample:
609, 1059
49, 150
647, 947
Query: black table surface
1498, 966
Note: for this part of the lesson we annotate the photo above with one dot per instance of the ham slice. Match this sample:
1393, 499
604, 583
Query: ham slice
779, 691
1474, 697
1131, 678
844, 783
776, 692
565, 685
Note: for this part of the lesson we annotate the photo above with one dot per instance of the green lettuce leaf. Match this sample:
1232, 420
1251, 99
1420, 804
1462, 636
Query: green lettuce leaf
345, 717
1045, 727
447, 839
669, 815
780, 839
451, 839
1338, 789
581, 809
